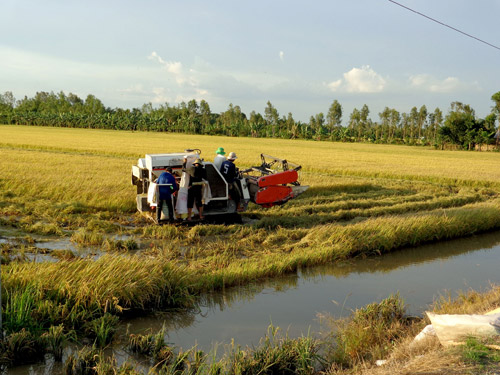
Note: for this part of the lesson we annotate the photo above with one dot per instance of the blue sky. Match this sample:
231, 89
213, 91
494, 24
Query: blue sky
299, 55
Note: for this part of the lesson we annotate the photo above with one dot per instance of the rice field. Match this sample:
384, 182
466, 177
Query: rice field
363, 199
74, 185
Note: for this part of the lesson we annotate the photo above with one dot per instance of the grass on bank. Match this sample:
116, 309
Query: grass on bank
378, 331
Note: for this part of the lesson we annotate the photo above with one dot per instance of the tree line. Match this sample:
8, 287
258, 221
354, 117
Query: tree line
460, 126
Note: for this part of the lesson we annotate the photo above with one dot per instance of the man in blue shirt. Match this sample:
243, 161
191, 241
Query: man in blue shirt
165, 193
230, 173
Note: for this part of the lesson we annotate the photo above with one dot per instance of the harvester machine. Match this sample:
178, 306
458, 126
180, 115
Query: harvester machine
274, 182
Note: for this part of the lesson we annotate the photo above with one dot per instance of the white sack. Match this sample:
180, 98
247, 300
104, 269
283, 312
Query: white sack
153, 194
451, 329
182, 201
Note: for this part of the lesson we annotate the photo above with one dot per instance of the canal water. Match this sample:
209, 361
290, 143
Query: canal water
419, 274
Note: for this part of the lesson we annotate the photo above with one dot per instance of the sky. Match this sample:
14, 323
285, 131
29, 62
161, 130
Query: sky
300, 56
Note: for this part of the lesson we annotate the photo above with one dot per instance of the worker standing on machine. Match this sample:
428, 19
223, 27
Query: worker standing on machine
230, 173
166, 178
197, 174
219, 158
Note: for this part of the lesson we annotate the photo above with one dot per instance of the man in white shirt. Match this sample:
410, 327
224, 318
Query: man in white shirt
219, 158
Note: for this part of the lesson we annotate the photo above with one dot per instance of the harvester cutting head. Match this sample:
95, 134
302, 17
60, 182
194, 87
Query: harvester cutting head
274, 182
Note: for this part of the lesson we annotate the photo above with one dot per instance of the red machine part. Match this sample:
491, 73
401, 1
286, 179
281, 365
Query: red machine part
281, 178
273, 190
273, 195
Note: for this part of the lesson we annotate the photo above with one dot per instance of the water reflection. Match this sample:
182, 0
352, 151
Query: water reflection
209, 304
293, 302
410, 256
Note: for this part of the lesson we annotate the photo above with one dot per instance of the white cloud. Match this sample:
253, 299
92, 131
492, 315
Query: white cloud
282, 55
160, 96
335, 85
154, 56
419, 80
173, 67
362, 80
429, 83
134, 89
201, 92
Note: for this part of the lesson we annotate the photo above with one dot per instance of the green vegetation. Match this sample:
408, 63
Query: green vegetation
274, 355
363, 200
418, 127
102, 329
477, 352
378, 331
151, 345
93, 361
369, 333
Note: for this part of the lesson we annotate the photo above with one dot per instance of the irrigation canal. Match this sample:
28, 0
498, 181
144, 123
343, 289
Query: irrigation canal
420, 274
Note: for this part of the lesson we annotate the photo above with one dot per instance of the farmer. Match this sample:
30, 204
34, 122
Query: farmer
197, 174
230, 173
166, 178
219, 158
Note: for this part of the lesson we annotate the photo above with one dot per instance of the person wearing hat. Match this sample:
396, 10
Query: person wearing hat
197, 174
219, 158
230, 174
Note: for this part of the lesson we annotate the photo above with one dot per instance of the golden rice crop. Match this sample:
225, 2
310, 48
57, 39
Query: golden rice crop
323, 158
363, 199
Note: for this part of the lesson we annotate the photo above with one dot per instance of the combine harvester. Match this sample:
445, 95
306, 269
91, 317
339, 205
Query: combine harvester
272, 183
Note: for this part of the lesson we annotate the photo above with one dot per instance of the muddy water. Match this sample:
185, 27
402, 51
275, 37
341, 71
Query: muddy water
419, 274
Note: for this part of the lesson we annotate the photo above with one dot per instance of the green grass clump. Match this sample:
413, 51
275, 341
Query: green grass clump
276, 355
369, 333
102, 329
19, 306
101, 225
55, 339
83, 362
21, 347
85, 237
151, 345
476, 351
